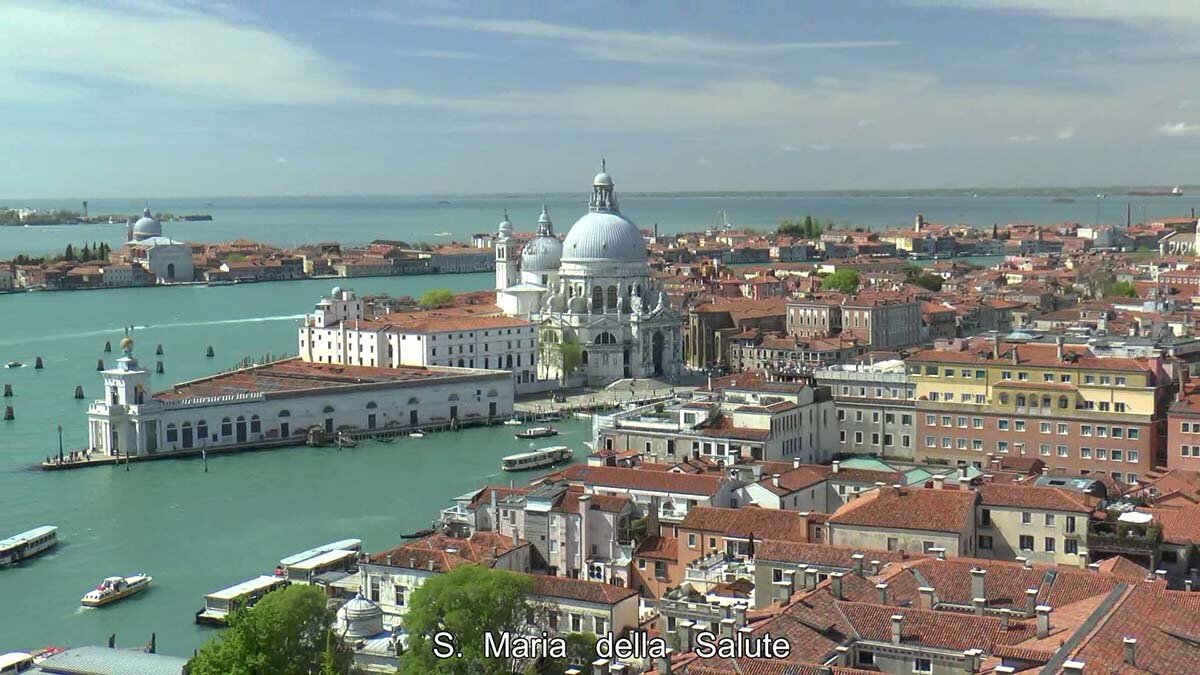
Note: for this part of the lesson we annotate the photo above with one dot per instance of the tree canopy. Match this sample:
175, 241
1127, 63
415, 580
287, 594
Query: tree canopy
289, 632
844, 281
809, 228
437, 298
467, 602
932, 282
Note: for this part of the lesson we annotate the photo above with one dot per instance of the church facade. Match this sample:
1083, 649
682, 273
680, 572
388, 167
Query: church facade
601, 317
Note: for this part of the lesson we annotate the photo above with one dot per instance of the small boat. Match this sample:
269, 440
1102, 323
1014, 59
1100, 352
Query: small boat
27, 544
344, 441
514, 422
536, 432
384, 439
536, 459
14, 364
416, 434
113, 589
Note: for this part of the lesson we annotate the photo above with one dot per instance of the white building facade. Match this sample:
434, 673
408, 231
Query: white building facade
593, 291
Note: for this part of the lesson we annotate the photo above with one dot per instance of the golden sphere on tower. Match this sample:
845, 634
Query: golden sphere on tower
127, 344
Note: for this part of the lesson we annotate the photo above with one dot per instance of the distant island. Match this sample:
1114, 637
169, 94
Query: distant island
32, 217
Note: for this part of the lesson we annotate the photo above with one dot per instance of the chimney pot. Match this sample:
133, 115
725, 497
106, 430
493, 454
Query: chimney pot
858, 564
775, 479
926, 600
835, 584
1130, 643
600, 667
1073, 667
979, 604
979, 583
1043, 620
835, 466
882, 588
1161, 574
897, 623
1031, 601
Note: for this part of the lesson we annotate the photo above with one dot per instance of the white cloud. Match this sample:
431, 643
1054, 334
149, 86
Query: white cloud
905, 147
820, 147
1022, 139
175, 50
631, 46
1178, 129
1145, 13
1065, 133
281, 160
442, 54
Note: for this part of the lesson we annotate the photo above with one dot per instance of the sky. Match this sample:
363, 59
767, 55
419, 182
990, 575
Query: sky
151, 98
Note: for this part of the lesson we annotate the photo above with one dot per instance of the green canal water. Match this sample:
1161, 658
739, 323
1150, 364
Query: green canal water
195, 532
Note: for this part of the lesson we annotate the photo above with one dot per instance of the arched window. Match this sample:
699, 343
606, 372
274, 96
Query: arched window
241, 418
583, 357
371, 405
605, 338
597, 299
414, 401
461, 363
172, 433
255, 424
202, 429
226, 427
1003, 399
327, 409
284, 413
1020, 400
508, 361
612, 297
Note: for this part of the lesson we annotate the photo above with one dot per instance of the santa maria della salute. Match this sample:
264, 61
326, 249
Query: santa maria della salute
599, 312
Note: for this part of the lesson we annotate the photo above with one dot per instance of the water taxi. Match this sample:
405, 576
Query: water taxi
219, 605
13, 364
536, 459
536, 432
513, 422
416, 434
113, 589
27, 544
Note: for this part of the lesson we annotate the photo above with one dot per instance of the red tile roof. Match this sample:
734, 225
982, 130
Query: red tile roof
1034, 497
909, 509
945, 630
580, 589
636, 479
741, 523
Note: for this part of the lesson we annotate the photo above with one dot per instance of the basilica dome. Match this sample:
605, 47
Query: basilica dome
146, 226
604, 236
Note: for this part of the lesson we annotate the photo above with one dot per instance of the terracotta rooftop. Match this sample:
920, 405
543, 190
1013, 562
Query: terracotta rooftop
446, 553
744, 522
1034, 497
580, 590
909, 509
637, 479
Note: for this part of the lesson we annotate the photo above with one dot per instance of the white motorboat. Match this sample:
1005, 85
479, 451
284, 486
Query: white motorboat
537, 458
514, 422
113, 589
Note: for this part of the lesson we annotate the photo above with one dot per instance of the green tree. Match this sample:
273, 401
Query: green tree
844, 281
289, 632
69, 254
468, 603
437, 298
911, 271
1122, 289
581, 651
85, 253
932, 282
235, 257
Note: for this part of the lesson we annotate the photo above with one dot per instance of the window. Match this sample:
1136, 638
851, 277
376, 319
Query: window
976, 422
1026, 542
1070, 528
601, 625
1006, 374
1062, 451
1117, 455
1044, 449
660, 569
1002, 425
576, 623
977, 444
985, 542
1026, 518
1118, 432
1044, 427
922, 665
1049, 520
1047, 377
1101, 453
961, 422
712, 542
1071, 547
399, 592
1133, 456
985, 517
1102, 432
1050, 545
172, 434
930, 442
1134, 433
1019, 425
893, 544
1062, 429
931, 420
981, 374
1085, 453
866, 658
931, 370
691, 540
1120, 381
1001, 446
1085, 430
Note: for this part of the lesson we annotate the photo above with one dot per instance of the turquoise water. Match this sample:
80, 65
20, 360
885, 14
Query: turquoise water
287, 221
195, 532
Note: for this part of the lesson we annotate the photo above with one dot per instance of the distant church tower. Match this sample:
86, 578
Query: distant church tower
506, 255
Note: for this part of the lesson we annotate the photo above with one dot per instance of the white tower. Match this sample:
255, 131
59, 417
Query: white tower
113, 421
506, 255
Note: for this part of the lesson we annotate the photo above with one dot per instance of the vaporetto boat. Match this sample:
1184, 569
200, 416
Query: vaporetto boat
536, 458
27, 544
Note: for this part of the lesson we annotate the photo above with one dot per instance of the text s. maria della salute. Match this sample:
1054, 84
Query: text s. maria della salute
593, 291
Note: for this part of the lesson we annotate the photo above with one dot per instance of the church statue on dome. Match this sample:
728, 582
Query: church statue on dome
592, 288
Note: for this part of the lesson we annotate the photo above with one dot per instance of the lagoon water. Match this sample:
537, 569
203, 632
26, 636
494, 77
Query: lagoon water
287, 221
195, 532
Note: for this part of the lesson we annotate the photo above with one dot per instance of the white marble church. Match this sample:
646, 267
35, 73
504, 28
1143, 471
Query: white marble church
593, 288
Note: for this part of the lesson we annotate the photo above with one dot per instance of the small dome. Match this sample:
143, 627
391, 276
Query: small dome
542, 254
360, 618
336, 293
146, 226
602, 178
602, 235
506, 228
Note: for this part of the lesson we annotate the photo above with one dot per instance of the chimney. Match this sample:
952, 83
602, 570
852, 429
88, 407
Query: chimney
897, 622
843, 655
727, 628
1004, 616
1192, 574
979, 604
810, 578
1021, 559
835, 466
1031, 601
684, 628
1058, 341
1187, 585
882, 589
1161, 574
926, 600
1016, 359
618, 669
1093, 567
775, 479
1043, 620
1028, 564
585, 502
858, 564
996, 347
835, 584
1073, 667
979, 583
939, 482
1130, 643
600, 667
1004, 670
663, 663
974, 659
875, 568
412, 562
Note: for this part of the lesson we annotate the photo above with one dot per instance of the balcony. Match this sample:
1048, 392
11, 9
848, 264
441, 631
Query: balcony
457, 514
1124, 538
